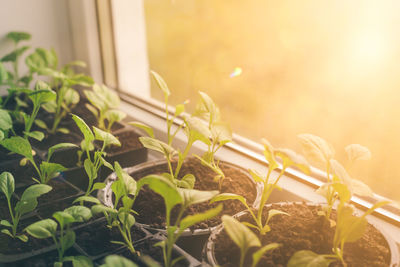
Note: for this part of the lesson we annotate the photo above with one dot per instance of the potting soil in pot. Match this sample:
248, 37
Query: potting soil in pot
304, 229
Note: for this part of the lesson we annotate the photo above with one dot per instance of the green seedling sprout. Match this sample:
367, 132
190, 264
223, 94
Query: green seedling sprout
244, 238
289, 158
184, 198
45, 63
6, 124
46, 170
26, 204
194, 129
120, 215
220, 134
93, 164
65, 237
104, 104
338, 187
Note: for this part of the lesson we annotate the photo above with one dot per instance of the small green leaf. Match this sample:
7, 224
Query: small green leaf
259, 253
7, 232
179, 109
98, 186
87, 133
187, 181
316, 148
161, 83
269, 154
106, 137
5, 120
157, 145
71, 97
35, 191
126, 219
198, 129
7, 184
18, 145
80, 213
357, 152
92, 109
229, 196
242, 236
40, 123
87, 199
42, 229
114, 115
23, 238
68, 240
3, 74
18, 36
35, 135
57, 147
117, 261
129, 183
5, 223
90, 169
193, 196
144, 127
257, 177
307, 258
50, 170
274, 212
101, 208
63, 130
79, 261
291, 158
12, 57
199, 217
343, 192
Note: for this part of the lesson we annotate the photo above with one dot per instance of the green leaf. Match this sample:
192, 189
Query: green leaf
5, 120
57, 147
63, 218
193, 196
50, 170
87, 133
23, 238
101, 208
221, 132
257, 177
242, 236
1, 135
162, 187
187, 181
68, 240
126, 219
106, 163
229, 196
71, 97
307, 258
35, 191
117, 261
90, 169
18, 36
274, 212
106, 137
259, 253
316, 148
63, 130
87, 199
42, 229
161, 83
40, 123
357, 152
12, 57
7, 184
79, 261
179, 109
98, 186
80, 213
199, 217
129, 183
114, 115
157, 145
7, 232
198, 130
291, 158
18, 145
269, 154
92, 109
6, 223
81, 80
3, 74
210, 106
35, 135
343, 192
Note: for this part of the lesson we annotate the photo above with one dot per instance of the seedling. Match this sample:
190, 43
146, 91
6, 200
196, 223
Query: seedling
194, 130
65, 237
244, 238
47, 170
184, 198
44, 62
289, 159
93, 164
339, 186
120, 215
5, 124
104, 104
220, 134
26, 204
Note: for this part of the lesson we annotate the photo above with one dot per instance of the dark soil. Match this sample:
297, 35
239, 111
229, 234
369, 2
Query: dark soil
4, 211
46, 210
22, 174
147, 248
305, 230
151, 208
60, 190
6, 155
95, 239
129, 141
54, 139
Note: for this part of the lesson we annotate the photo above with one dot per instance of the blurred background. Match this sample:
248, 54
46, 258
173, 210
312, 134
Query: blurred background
281, 68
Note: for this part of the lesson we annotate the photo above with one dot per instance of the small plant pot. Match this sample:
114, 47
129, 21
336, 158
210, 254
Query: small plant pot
303, 230
150, 205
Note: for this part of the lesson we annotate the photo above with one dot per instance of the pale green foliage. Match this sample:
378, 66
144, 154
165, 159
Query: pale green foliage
339, 186
173, 196
244, 238
104, 104
93, 164
289, 158
117, 261
26, 204
65, 238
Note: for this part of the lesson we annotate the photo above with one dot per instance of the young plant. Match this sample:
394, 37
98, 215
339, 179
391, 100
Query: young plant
65, 237
44, 62
339, 186
120, 214
244, 238
221, 134
26, 204
104, 106
6, 124
194, 129
289, 159
46, 170
184, 198
93, 164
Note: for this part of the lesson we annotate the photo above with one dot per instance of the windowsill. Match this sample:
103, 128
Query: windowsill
248, 154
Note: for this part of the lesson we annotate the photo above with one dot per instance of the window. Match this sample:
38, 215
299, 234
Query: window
277, 69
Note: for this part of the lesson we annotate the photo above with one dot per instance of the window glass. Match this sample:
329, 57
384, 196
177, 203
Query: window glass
281, 68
